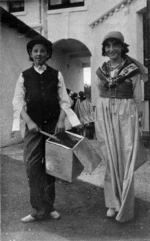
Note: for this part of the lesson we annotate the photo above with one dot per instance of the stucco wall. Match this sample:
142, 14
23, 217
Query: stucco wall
71, 70
74, 22
14, 59
69, 25
31, 14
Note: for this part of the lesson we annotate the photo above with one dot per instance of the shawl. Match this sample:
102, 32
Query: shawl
129, 68
142, 68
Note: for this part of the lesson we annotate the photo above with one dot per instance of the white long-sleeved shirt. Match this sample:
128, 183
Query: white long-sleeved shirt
19, 102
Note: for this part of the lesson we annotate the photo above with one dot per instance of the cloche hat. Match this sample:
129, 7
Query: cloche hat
118, 36
114, 34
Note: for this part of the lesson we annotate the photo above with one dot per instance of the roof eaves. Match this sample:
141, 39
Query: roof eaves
14, 22
110, 12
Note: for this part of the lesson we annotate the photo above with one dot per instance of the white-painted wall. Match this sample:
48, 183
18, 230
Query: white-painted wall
71, 69
14, 59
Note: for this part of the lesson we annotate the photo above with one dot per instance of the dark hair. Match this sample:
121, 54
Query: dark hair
124, 45
74, 96
82, 96
68, 91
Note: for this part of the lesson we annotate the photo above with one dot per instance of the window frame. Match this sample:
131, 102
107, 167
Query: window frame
10, 8
66, 5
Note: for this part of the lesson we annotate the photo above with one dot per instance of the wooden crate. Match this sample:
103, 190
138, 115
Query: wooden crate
67, 160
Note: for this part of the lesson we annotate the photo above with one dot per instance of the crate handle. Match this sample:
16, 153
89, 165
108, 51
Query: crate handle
49, 135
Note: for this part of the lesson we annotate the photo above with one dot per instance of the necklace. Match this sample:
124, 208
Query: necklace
115, 67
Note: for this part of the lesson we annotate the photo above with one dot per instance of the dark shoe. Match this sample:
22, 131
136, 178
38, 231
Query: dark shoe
28, 219
55, 215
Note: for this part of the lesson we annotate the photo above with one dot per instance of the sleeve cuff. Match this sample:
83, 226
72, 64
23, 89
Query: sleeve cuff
16, 125
72, 117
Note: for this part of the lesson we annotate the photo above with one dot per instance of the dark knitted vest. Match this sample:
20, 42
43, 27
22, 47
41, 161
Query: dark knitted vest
41, 95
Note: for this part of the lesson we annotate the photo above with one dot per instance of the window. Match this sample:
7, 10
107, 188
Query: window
57, 4
16, 6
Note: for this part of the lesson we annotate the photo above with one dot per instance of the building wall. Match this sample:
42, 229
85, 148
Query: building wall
66, 23
32, 14
71, 70
74, 22
14, 59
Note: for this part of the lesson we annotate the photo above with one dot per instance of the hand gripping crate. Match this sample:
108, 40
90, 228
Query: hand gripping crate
68, 157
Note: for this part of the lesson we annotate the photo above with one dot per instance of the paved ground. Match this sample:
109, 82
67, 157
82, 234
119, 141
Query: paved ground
80, 203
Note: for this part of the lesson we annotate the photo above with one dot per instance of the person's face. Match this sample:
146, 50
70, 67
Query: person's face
113, 49
39, 54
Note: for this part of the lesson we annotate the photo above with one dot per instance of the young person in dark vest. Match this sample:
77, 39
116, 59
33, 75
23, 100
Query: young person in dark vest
119, 82
41, 100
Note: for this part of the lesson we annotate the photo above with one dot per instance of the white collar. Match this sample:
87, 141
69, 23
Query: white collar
41, 68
